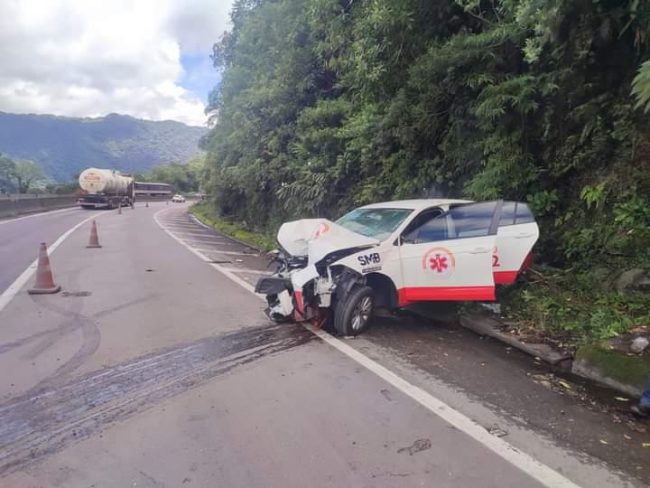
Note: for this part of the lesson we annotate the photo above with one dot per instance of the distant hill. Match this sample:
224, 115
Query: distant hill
64, 146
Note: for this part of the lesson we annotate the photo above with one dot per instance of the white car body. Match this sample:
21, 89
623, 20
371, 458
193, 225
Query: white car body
442, 250
178, 198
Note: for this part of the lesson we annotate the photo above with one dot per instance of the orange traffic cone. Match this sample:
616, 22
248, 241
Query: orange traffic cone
119, 208
94, 240
147, 204
44, 280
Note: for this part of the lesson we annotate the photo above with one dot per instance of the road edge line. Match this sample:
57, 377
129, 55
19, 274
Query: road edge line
12, 290
537, 470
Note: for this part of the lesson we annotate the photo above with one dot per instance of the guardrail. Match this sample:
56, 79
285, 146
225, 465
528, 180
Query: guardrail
13, 205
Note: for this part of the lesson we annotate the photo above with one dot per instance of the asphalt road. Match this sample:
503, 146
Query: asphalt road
20, 238
156, 367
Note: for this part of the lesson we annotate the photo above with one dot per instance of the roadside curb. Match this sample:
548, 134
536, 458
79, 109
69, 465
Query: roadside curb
487, 326
622, 372
586, 365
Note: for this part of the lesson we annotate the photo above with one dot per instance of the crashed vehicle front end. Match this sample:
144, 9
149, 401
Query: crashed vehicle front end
392, 254
308, 273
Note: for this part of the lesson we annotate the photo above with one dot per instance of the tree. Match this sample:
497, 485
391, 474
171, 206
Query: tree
641, 86
7, 174
187, 177
328, 104
26, 174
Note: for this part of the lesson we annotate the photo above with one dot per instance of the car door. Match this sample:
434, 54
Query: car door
449, 256
516, 237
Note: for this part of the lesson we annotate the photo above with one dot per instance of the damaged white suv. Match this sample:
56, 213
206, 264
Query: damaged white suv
395, 253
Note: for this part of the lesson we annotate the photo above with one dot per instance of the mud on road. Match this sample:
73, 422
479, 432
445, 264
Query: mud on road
48, 419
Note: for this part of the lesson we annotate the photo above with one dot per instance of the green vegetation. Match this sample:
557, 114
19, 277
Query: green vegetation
19, 176
236, 230
64, 146
329, 104
576, 306
628, 370
185, 178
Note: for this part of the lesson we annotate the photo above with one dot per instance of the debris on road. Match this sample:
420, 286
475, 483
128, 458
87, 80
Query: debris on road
417, 446
497, 431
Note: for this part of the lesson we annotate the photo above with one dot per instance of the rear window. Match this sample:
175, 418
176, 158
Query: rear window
515, 213
523, 215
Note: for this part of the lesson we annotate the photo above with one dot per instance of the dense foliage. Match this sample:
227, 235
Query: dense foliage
184, 177
64, 146
328, 104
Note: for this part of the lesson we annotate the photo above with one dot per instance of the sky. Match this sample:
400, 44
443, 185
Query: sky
88, 58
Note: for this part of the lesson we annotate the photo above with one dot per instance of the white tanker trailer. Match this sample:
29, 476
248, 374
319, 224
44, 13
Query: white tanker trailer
105, 188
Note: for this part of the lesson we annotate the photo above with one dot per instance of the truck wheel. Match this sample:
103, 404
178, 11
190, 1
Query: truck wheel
353, 312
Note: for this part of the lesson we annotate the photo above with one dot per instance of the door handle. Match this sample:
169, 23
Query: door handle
523, 235
479, 250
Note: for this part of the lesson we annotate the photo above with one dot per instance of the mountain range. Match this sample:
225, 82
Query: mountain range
65, 146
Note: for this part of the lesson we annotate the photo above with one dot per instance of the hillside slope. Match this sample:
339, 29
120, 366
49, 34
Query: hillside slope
64, 146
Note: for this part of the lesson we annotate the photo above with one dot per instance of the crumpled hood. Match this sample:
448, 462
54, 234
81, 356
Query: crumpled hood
316, 238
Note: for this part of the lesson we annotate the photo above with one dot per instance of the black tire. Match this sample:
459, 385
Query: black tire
353, 312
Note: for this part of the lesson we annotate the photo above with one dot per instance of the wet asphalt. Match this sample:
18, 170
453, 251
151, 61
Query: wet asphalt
153, 369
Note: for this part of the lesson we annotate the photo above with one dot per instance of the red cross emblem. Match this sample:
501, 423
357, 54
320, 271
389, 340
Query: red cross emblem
438, 263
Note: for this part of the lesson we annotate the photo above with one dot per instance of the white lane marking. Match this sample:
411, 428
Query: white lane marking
193, 240
188, 228
247, 270
19, 282
180, 232
201, 256
532, 467
202, 237
38, 215
233, 253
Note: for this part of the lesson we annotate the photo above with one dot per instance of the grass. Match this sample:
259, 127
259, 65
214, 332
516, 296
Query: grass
236, 230
575, 307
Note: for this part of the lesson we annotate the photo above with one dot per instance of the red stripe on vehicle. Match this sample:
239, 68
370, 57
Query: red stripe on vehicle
445, 293
505, 277
300, 303
528, 262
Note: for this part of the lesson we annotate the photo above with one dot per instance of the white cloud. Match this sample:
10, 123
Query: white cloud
93, 57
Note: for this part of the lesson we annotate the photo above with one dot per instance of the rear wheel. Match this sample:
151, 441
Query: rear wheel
353, 312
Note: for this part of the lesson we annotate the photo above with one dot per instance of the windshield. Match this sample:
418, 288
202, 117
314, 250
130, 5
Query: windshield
374, 222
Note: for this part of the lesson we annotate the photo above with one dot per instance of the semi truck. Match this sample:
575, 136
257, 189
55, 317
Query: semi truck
105, 188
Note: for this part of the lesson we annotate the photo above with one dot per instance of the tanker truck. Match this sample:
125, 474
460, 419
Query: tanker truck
105, 188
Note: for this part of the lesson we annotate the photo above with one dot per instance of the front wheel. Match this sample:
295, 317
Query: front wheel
353, 312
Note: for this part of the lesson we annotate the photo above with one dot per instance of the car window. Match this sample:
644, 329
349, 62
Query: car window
426, 227
523, 214
379, 223
508, 214
471, 220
